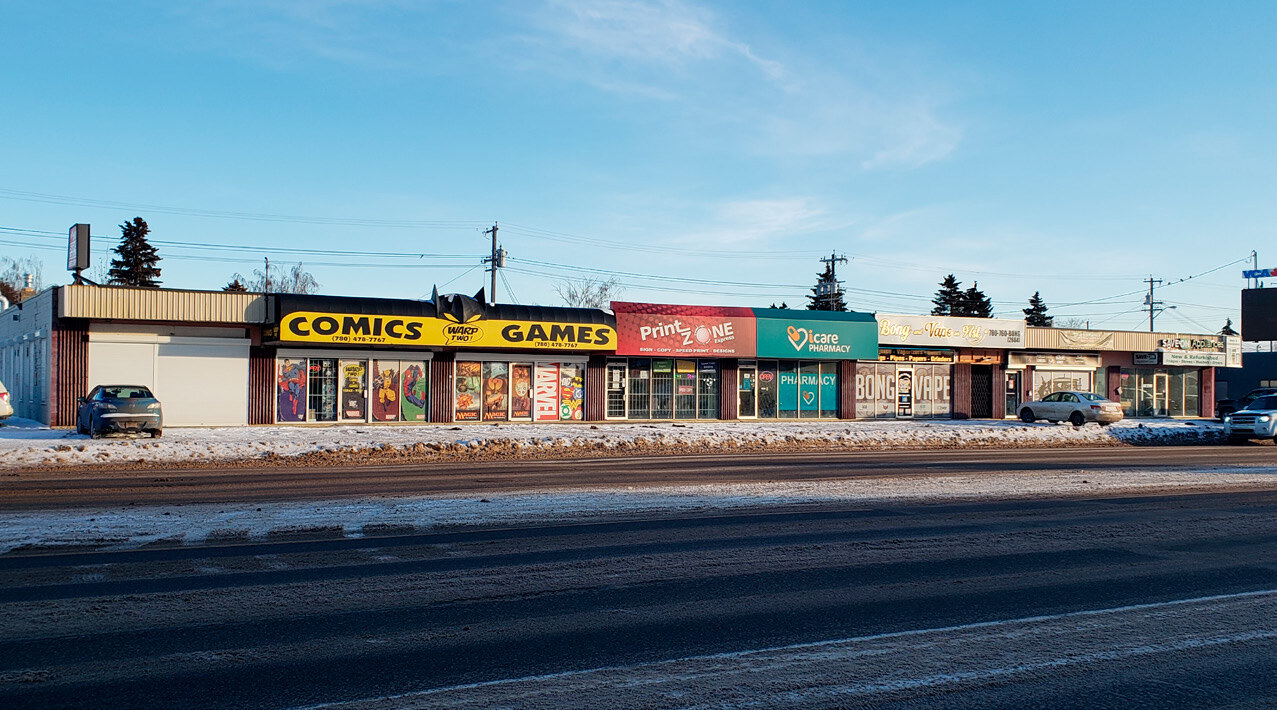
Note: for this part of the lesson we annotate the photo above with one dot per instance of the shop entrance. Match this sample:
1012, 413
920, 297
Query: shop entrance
1161, 395
981, 391
747, 399
1012, 392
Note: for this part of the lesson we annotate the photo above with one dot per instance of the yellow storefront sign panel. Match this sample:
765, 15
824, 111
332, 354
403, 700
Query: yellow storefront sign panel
349, 329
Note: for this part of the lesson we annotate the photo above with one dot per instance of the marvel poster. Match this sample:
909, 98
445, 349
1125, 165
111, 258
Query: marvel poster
291, 389
385, 390
415, 389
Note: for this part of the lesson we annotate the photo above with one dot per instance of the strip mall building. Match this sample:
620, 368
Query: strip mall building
218, 358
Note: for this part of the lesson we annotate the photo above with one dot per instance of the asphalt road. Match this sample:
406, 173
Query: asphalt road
35, 489
1121, 603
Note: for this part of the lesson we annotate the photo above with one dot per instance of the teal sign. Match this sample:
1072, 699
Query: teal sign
827, 336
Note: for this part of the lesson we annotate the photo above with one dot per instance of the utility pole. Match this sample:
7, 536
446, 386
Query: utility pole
267, 260
827, 289
1151, 303
497, 260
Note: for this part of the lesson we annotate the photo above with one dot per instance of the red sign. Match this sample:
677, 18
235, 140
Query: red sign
659, 329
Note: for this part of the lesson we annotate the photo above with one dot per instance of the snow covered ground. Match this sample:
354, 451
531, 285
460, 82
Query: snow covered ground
26, 444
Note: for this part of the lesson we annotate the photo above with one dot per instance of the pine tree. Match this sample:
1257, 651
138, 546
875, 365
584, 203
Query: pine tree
1228, 328
975, 304
783, 306
949, 299
235, 286
1035, 314
830, 301
137, 263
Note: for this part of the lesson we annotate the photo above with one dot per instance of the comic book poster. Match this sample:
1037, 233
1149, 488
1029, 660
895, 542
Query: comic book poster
521, 392
571, 391
496, 391
546, 390
291, 391
385, 390
354, 390
469, 391
415, 390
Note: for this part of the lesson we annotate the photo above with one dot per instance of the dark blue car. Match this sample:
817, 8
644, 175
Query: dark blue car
124, 409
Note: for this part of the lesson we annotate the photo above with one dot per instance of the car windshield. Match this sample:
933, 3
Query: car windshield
1264, 403
1092, 396
126, 393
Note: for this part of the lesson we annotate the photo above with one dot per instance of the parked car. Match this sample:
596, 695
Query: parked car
6, 407
1258, 420
129, 409
1228, 406
1077, 408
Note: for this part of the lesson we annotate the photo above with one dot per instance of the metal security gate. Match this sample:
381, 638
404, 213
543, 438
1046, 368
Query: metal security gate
981, 391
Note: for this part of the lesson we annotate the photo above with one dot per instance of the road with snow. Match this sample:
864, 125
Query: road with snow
1154, 600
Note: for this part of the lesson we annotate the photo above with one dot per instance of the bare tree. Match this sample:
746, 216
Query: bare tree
1070, 323
13, 277
588, 292
292, 279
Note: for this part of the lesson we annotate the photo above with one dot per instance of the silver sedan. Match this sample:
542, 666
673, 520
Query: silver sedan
1077, 408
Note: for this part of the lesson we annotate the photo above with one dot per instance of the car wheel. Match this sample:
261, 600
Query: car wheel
1026, 416
1076, 419
157, 433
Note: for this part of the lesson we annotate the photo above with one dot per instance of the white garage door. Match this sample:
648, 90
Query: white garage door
199, 381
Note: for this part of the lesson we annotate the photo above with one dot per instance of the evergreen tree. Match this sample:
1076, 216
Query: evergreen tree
783, 306
1228, 328
975, 304
1035, 314
832, 301
138, 259
235, 286
949, 299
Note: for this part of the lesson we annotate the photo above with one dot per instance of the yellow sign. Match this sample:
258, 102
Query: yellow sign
358, 329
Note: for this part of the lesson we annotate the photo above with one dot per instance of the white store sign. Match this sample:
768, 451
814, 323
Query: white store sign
1194, 358
947, 331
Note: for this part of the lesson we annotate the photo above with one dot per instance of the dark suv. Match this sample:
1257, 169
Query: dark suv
1228, 406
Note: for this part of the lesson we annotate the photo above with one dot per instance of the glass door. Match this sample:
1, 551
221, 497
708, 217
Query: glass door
354, 390
1161, 394
747, 398
1012, 392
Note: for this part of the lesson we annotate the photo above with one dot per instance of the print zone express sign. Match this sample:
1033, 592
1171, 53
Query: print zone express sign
817, 339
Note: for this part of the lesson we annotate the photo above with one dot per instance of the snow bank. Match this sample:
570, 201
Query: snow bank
27, 444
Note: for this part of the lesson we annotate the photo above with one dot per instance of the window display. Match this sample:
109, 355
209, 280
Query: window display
469, 391
385, 390
292, 389
1160, 392
496, 391
521, 392
354, 390
879, 391
322, 397
571, 391
546, 392
415, 390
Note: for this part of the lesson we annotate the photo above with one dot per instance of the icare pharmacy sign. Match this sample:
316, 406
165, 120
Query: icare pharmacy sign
852, 338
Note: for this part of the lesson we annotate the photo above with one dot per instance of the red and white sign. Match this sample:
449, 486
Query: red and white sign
660, 329
546, 389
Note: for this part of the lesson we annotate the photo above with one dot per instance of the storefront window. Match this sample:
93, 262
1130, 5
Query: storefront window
877, 390
496, 391
829, 390
640, 388
469, 391
291, 390
571, 391
1160, 392
385, 390
545, 390
415, 386
662, 389
809, 390
1047, 381
788, 390
684, 389
354, 390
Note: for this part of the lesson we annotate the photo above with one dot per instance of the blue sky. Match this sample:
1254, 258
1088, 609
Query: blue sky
1074, 149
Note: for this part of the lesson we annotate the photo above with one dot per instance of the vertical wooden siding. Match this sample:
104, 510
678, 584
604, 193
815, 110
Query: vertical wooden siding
1206, 392
441, 388
846, 389
728, 381
70, 371
261, 385
596, 388
961, 391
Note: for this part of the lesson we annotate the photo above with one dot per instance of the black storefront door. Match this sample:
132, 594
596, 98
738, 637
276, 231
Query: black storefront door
981, 391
